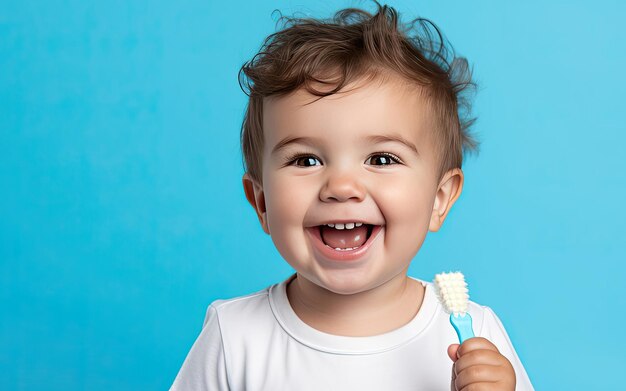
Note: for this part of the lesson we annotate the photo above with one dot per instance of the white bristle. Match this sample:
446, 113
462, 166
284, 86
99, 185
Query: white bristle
452, 290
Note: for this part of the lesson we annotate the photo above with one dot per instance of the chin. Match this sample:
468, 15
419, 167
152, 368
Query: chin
346, 282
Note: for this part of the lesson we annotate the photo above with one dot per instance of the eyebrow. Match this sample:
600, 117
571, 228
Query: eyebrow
293, 140
376, 139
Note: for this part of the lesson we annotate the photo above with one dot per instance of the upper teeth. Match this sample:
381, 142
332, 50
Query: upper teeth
346, 226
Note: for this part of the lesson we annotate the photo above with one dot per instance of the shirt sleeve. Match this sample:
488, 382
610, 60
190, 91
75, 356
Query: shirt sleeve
494, 331
204, 368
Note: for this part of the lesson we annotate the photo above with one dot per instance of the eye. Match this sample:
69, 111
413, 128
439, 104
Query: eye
303, 160
383, 159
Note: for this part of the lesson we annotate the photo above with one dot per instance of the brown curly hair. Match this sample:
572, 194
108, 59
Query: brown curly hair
352, 45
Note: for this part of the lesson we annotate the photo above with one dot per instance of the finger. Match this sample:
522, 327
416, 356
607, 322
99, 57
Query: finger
482, 387
452, 352
476, 343
453, 379
480, 357
478, 374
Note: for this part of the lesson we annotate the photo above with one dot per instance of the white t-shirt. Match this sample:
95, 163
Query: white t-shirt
257, 342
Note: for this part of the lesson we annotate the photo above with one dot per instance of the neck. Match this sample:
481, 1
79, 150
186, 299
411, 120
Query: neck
376, 311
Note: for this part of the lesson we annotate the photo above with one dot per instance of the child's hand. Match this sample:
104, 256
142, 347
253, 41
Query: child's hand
478, 366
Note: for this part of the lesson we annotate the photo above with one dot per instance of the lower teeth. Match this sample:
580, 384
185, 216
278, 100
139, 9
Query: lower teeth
343, 249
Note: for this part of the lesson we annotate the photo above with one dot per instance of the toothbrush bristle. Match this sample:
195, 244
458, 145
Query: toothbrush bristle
452, 290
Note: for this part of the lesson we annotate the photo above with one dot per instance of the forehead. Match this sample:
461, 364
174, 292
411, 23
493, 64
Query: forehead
364, 108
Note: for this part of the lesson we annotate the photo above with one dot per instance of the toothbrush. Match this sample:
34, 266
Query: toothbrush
452, 291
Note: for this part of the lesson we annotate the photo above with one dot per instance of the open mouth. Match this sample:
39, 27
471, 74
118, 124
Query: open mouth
345, 237
336, 243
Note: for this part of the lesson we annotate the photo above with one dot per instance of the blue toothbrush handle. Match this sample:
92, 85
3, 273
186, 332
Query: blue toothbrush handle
463, 326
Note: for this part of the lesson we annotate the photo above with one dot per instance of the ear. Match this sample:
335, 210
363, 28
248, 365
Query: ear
449, 190
256, 198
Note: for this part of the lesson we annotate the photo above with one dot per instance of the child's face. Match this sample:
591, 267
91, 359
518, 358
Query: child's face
346, 176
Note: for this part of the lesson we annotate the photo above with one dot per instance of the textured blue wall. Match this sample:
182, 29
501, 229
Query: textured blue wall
122, 214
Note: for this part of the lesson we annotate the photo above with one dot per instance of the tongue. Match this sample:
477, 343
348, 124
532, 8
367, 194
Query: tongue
344, 238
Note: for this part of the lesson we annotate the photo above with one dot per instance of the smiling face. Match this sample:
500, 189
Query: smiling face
363, 156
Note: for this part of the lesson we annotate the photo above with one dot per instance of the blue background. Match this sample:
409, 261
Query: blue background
122, 214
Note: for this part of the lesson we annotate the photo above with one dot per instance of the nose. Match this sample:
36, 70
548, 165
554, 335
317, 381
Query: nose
342, 187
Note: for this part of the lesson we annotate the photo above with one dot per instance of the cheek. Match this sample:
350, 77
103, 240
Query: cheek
407, 207
408, 199
286, 204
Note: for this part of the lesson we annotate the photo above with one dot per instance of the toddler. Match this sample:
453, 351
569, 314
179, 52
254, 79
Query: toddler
353, 142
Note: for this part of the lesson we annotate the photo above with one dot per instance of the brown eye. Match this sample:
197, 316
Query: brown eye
383, 160
307, 161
